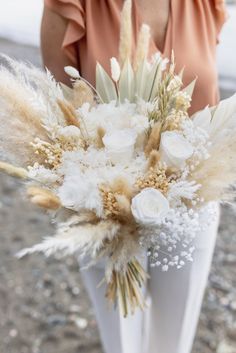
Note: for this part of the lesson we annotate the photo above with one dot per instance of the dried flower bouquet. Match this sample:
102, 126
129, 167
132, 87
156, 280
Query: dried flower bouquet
122, 167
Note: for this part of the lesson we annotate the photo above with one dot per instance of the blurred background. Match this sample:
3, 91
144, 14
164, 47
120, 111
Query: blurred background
43, 305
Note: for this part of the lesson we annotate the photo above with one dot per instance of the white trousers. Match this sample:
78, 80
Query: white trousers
175, 298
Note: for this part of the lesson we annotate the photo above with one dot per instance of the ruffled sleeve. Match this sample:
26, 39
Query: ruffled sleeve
221, 15
73, 12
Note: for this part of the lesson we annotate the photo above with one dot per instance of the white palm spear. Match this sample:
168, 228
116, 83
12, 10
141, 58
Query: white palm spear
217, 119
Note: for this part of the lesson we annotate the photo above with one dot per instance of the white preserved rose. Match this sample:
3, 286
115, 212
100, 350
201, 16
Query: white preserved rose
149, 207
175, 149
120, 145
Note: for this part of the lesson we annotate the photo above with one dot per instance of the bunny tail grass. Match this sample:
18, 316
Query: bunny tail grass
43, 198
10, 169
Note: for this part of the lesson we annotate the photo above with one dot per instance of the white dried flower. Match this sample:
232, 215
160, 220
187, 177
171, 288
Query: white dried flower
149, 207
72, 72
175, 149
70, 131
120, 145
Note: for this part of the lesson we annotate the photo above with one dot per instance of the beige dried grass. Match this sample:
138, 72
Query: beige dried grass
217, 173
154, 158
125, 288
10, 169
121, 186
20, 121
142, 45
69, 113
154, 138
125, 46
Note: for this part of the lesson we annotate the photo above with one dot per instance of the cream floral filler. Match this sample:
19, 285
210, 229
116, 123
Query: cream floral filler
122, 167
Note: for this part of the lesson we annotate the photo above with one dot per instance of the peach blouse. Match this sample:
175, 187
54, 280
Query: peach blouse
93, 35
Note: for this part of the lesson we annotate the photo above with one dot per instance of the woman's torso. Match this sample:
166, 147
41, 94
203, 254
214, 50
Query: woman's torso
191, 31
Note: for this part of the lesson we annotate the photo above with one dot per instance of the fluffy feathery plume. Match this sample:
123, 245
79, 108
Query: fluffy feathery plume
183, 190
123, 248
43, 198
13, 171
124, 208
125, 47
42, 89
154, 138
86, 238
20, 122
33, 78
217, 172
122, 187
142, 46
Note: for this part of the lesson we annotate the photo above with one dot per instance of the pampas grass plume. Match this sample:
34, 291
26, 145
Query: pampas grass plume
124, 207
142, 46
125, 47
122, 187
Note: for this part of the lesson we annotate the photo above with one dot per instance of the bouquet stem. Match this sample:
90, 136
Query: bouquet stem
126, 288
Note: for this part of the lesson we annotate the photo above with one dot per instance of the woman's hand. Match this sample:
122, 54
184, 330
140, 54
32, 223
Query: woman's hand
53, 29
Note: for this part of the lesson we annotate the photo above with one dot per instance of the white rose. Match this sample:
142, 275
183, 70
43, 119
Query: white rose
149, 207
175, 149
70, 131
120, 145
